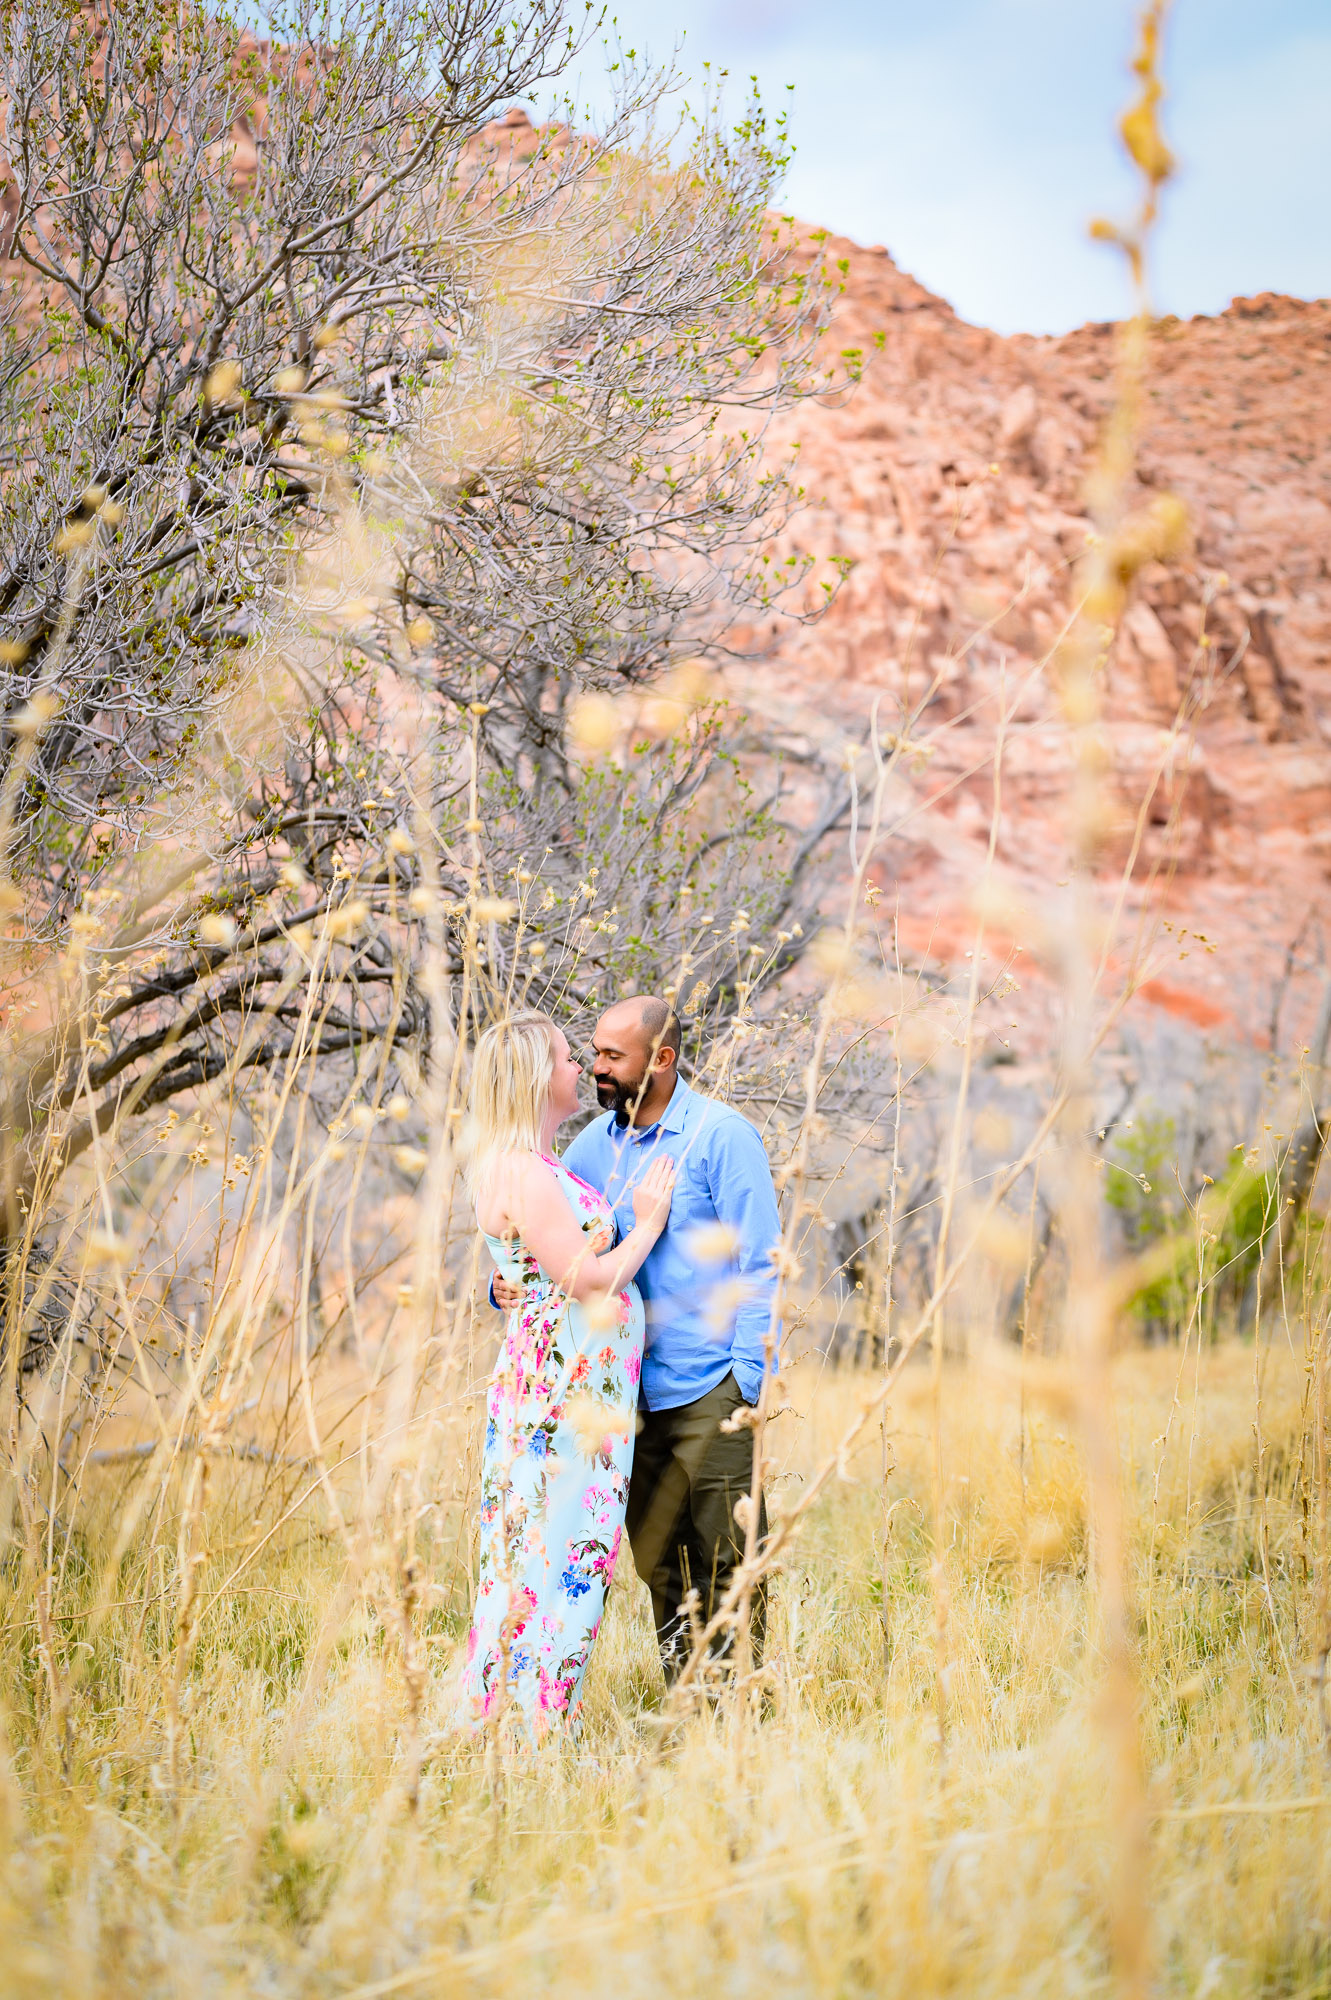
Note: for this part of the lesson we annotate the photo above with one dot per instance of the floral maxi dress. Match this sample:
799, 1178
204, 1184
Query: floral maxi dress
554, 1482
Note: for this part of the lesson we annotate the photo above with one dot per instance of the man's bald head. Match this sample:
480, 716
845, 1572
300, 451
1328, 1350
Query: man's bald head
660, 1023
637, 1045
651, 1023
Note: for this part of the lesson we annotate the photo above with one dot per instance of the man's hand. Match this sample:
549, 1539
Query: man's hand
507, 1295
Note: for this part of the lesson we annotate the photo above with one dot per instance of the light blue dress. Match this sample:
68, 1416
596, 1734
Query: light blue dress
561, 1416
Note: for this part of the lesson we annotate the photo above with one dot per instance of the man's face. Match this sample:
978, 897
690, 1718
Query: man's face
623, 1057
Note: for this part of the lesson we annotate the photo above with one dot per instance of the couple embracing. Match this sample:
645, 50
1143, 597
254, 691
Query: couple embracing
637, 1277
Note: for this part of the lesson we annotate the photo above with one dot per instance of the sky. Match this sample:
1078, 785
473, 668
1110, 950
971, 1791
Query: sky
976, 139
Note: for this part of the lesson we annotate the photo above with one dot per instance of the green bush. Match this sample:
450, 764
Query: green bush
1210, 1240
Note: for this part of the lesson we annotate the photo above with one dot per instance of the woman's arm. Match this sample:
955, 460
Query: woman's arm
535, 1206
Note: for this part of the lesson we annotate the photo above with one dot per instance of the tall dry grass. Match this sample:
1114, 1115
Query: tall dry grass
828, 1849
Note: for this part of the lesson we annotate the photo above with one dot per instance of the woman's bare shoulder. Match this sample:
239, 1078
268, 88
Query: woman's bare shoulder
514, 1180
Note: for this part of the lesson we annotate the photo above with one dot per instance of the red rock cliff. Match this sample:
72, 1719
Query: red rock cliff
953, 479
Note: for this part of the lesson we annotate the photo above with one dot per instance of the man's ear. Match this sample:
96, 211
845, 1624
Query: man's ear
664, 1058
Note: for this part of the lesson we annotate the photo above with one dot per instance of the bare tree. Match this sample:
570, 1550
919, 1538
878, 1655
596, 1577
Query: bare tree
346, 433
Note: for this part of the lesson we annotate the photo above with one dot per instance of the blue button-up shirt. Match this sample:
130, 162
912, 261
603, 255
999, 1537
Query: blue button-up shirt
708, 1282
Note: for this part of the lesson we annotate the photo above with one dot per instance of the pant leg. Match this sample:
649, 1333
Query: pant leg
687, 1475
720, 1465
656, 1518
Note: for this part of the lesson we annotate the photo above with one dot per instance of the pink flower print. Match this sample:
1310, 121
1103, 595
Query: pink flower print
633, 1367
613, 1556
523, 1608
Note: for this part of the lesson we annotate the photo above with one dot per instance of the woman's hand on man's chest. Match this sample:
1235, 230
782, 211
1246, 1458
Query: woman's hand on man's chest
692, 1193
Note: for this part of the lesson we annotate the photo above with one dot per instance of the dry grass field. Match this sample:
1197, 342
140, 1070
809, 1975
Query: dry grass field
280, 1806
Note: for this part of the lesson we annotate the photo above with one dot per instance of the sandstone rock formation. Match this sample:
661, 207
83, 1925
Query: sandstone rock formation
953, 479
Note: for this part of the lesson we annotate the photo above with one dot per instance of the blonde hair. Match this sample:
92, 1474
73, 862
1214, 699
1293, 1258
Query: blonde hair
511, 1073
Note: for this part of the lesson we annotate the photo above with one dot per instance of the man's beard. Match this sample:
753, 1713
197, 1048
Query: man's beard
621, 1098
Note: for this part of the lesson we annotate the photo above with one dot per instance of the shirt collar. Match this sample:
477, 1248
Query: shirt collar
672, 1119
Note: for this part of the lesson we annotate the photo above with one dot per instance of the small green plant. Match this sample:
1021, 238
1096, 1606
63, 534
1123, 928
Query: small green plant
1143, 1189
1214, 1237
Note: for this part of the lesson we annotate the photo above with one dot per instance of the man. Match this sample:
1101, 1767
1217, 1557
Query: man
707, 1286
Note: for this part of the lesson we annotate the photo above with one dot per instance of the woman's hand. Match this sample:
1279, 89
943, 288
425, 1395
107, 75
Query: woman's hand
651, 1196
542, 1219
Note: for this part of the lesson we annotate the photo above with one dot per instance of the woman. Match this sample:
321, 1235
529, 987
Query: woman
559, 1436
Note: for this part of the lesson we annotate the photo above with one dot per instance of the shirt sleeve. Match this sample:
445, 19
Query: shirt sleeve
740, 1182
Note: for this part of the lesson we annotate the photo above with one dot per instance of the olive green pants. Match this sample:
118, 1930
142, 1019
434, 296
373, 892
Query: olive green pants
687, 1475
